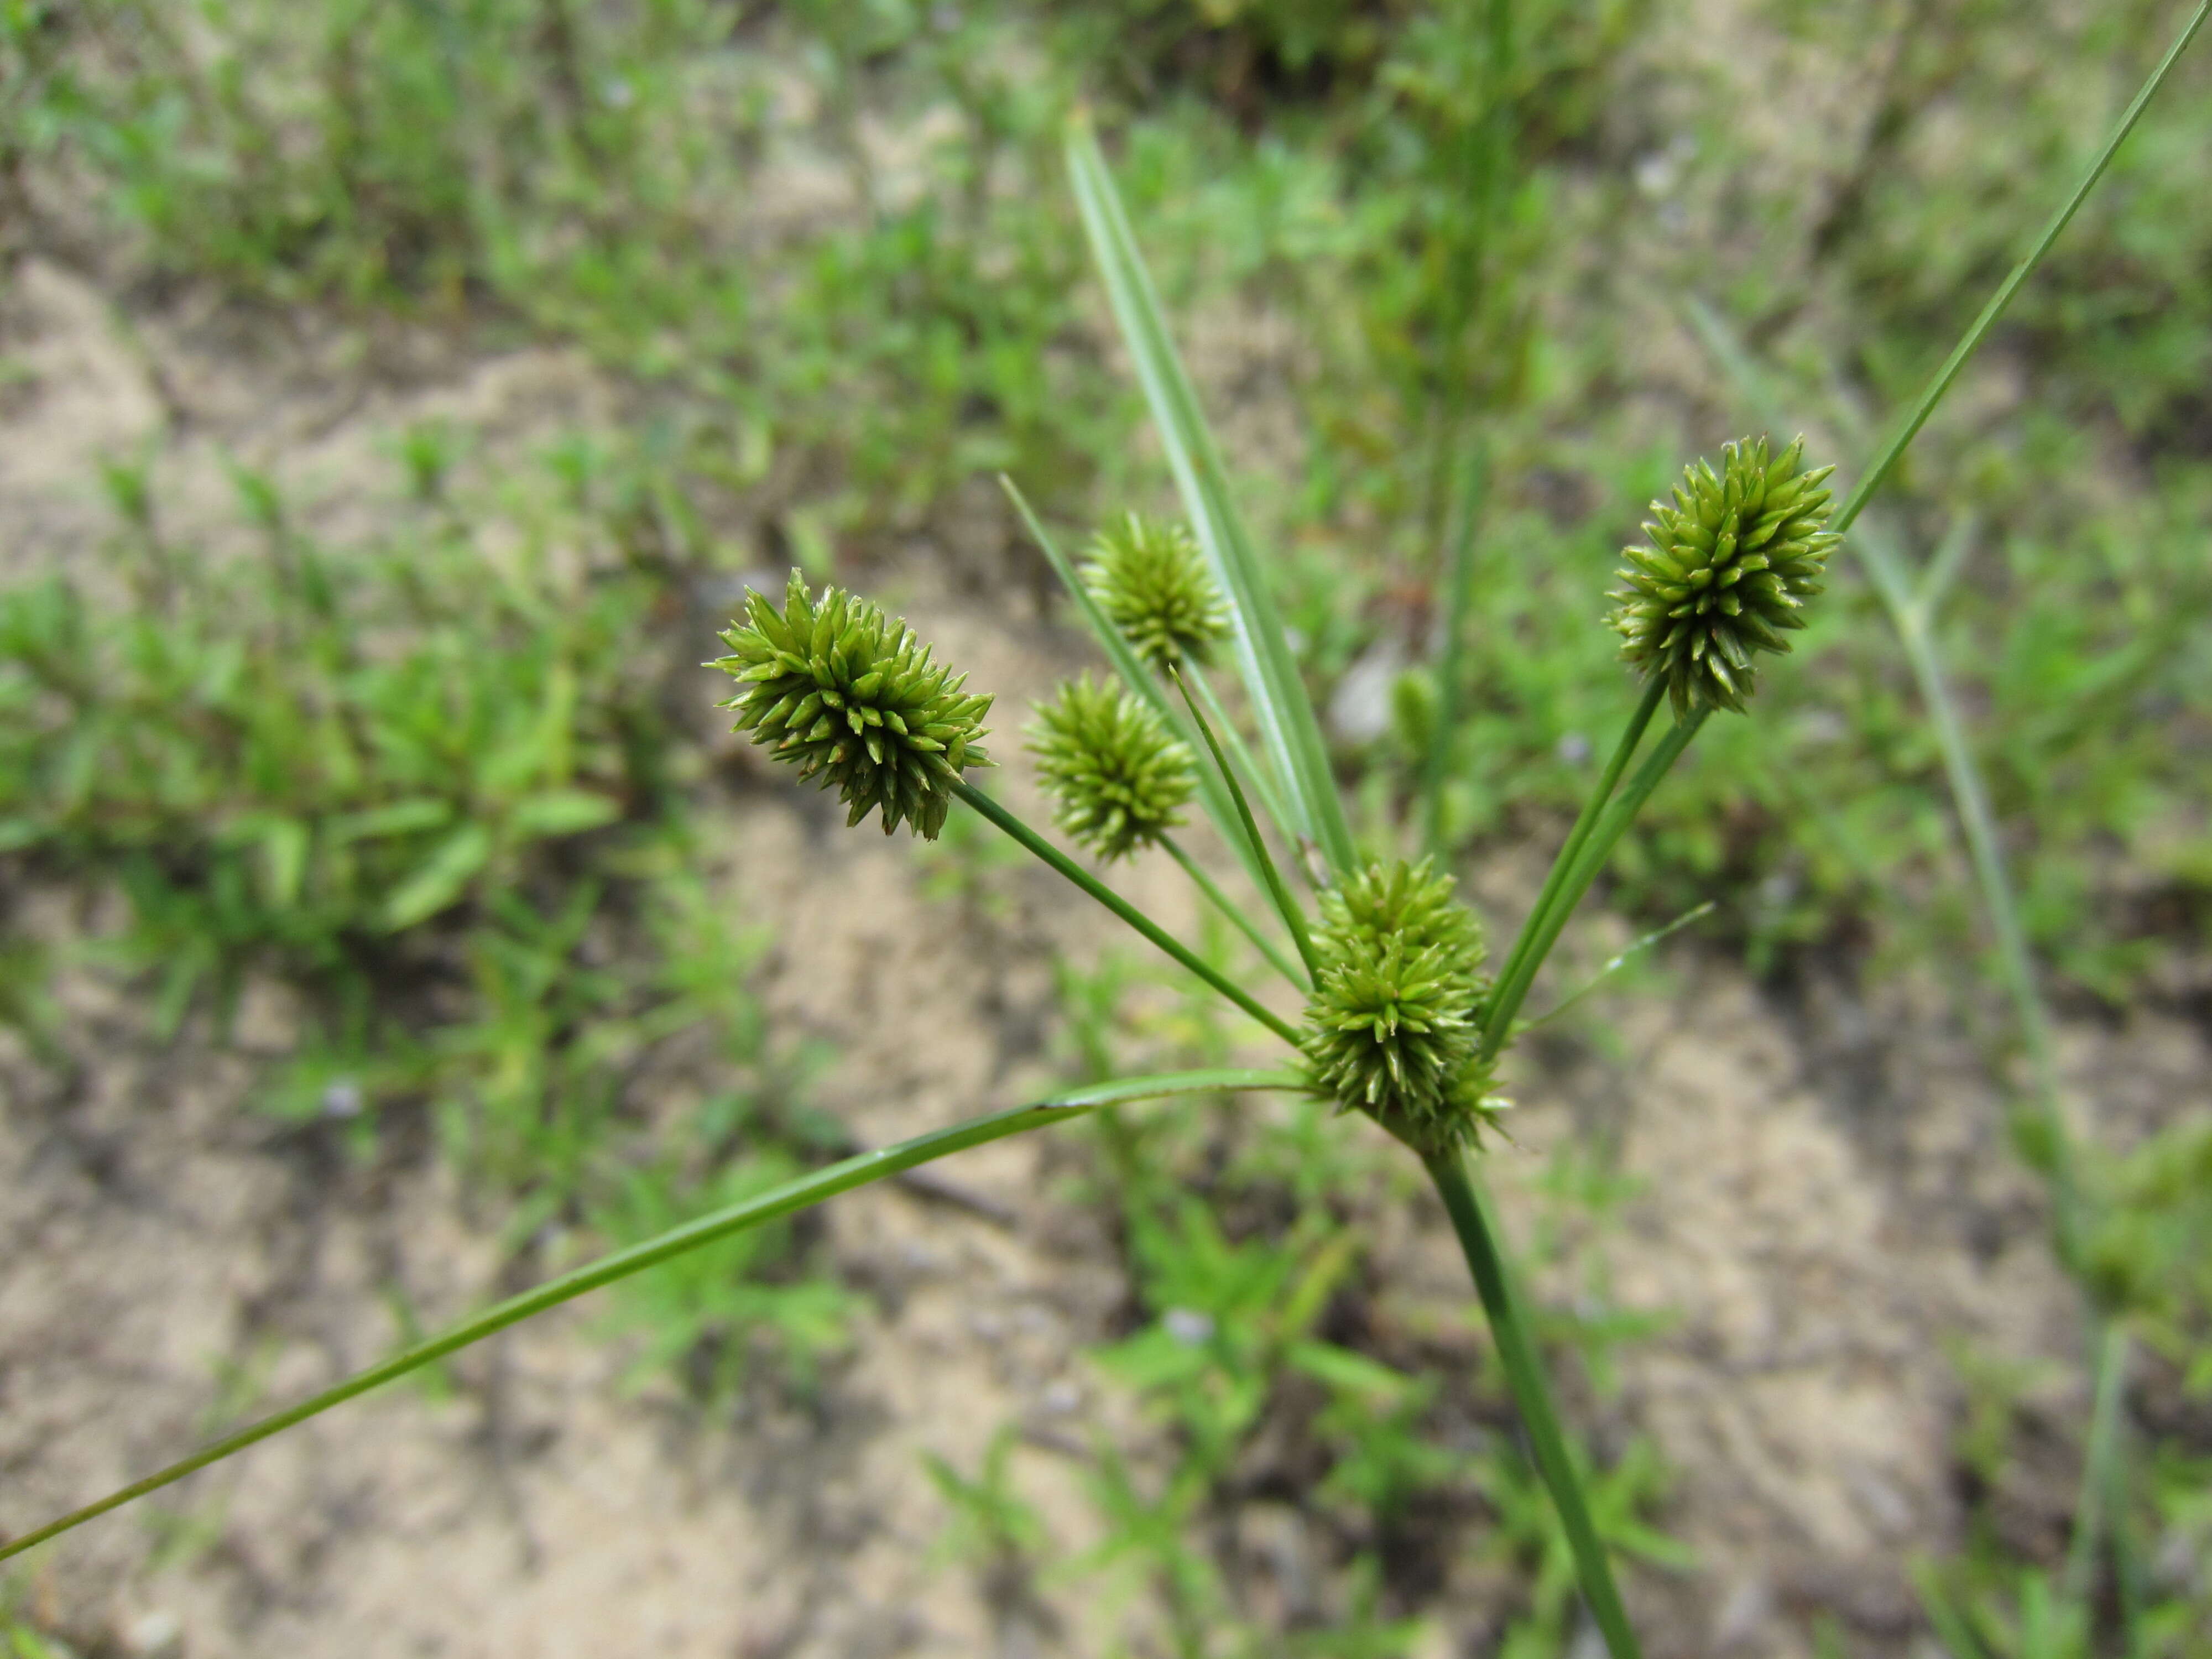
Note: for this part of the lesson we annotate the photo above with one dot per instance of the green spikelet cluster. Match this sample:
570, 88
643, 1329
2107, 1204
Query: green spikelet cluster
1390, 1028
1117, 777
1730, 566
1152, 582
837, 687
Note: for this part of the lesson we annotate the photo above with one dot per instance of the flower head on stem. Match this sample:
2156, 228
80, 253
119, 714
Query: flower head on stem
838, 687
1152, 583
1730, 566
1118, 778
1390, 1029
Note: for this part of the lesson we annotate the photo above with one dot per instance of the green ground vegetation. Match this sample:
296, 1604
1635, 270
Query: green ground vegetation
438, 779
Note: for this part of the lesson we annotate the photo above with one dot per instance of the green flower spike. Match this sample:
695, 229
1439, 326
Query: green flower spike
1390, 1029
839, 688
1151, 580
1730, 566
1116, 776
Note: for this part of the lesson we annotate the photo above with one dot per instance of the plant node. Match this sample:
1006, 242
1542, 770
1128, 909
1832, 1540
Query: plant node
837, 687
1390, 1029
1117, 777
1152, 582
1730, 566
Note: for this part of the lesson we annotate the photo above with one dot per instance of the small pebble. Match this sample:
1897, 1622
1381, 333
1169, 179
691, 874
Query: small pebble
1187, 1325
155, 1635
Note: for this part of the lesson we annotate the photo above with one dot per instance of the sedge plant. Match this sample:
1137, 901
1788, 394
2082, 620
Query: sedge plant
1395, 1013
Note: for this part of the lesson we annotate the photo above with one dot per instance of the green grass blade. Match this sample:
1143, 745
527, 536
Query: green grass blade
1213, 798
2092, 1509
1532, 1392
1288, 727
807, 1190
1121, 907
1459, 601
1933, 393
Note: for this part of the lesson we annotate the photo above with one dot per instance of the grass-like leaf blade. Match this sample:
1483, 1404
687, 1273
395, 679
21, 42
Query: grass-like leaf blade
1288, 727
800, 1193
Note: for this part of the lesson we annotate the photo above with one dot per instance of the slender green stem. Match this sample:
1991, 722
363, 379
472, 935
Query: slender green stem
1562, 864
1247, 763
808, 1190
1615, 963
1286, 906
1121, 908
1236, 913
1459, 600
1977, 821
1505, 1001
1524, 1372
2002, 298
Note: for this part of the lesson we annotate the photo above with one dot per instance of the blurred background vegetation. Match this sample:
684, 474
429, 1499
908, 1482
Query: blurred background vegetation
444, 775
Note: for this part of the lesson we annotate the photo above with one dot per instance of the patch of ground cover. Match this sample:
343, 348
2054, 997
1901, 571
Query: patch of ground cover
1328, 596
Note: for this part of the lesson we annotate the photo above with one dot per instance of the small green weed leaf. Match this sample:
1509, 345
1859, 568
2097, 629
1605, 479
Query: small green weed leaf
991, 1521
399, 817
561, 812
180, 980
24, 1643
1351, 1373
441, 879
284, 844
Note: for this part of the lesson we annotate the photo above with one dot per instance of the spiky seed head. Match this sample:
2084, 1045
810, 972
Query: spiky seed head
1729, 567
1151, 581
1390, 1027
838, 688
1118, 778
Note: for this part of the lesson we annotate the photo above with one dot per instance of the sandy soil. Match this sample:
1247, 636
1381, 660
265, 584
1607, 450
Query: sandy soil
1827, 1201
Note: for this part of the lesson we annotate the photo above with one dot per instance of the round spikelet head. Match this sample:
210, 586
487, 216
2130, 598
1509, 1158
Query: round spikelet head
842, 690
1729, 567
1152, 582
1117, 777
1390, 1028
